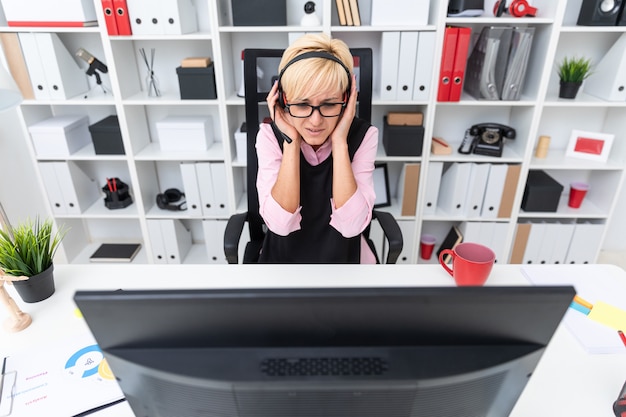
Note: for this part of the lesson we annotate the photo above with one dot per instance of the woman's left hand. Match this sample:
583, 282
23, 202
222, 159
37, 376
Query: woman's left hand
343, 126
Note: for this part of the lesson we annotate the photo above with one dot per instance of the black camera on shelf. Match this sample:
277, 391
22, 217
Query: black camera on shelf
486, 139
117, 195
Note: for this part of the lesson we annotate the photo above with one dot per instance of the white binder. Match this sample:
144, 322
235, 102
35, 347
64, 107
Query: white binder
477, 184
423, 66
493, 190
178, 17
53, 71
214, 240
548, 242
162, 17
220, 188
406, 65
499, 241
53, 190
563, 233
205, 187
471, 231
408, 247
190, 188
431, 193
159, 256
389, 57
453, 190
28, 42
608, 79
585, 243
79, 191
532, 253
177, 240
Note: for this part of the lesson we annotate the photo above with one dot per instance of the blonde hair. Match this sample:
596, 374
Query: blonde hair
311, 75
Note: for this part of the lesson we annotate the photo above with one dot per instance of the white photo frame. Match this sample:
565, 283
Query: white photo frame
594, 146
381, 186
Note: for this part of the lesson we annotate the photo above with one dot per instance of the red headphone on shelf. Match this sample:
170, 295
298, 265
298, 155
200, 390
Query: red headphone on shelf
517, 8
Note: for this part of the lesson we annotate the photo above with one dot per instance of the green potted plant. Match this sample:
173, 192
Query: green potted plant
572, 72
28, 250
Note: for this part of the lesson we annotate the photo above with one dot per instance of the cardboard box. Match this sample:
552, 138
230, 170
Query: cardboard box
197, 83
185, 133
405, 119
542, 192
60, 135
402, 140
107, 136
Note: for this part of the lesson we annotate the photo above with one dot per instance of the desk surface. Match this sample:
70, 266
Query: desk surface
568, 381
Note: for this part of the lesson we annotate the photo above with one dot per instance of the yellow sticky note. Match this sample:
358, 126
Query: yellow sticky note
608, 315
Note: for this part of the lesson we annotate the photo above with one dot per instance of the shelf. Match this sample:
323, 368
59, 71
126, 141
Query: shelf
149, 170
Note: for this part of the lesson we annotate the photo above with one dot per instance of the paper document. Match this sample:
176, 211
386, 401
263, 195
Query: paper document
601, 288
65, 378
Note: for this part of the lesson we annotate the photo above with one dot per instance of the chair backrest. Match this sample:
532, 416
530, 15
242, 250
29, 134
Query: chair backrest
256, 91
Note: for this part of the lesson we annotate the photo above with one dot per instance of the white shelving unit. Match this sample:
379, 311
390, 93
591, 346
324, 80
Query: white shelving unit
149, 171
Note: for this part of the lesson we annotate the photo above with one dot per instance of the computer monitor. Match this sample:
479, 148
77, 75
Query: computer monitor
324, 352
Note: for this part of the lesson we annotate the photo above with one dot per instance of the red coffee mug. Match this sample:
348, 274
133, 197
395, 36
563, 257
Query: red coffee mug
471, 263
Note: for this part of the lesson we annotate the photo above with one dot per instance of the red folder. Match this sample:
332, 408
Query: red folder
447, 63
121, 18
109, 17
460, 62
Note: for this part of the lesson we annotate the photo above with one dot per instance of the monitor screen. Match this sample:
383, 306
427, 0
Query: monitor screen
324, 352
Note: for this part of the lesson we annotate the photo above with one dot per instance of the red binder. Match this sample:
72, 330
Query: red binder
109, 17
121, 18
447, 63
460, 62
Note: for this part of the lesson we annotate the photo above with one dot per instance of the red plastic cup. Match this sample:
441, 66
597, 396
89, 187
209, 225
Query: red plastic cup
577, 192
427, 245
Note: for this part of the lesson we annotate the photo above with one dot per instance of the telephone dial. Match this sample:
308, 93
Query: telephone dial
486, 139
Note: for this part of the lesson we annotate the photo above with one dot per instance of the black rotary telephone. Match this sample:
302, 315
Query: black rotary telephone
486, 139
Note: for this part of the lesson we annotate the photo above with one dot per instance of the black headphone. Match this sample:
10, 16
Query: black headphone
306, 55
171, 199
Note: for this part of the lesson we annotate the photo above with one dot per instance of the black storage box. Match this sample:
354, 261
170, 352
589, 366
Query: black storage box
107, 137
259, 13
402, 140
542, 192
197, 83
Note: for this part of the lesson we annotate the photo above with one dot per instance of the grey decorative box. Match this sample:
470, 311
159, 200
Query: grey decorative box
402, 140
259, 13
542, 192
107, 137
197, 83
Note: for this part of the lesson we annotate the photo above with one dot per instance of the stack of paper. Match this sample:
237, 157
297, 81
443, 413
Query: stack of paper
599, 288
65, 378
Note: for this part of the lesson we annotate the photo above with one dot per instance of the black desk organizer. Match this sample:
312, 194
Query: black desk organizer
117, 195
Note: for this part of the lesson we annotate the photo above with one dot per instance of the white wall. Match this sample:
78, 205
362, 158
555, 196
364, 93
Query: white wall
20, 194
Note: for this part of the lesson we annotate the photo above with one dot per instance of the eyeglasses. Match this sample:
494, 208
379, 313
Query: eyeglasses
302, 110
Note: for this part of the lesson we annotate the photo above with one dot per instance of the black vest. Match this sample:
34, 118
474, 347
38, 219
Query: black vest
316, 241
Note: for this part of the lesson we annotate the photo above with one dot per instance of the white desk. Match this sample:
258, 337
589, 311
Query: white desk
567, 382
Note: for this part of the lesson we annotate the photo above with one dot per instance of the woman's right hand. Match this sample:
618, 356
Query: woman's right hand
279, 115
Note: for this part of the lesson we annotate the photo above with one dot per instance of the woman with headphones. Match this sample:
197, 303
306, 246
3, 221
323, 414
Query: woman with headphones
316, 160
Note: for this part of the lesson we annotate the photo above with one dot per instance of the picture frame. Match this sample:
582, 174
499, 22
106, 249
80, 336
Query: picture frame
593, 146
381, 186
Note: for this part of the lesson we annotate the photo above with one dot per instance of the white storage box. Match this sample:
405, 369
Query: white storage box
57, 13
60, 135
185, 133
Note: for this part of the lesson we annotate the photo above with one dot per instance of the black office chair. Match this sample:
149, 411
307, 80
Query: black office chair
267, 60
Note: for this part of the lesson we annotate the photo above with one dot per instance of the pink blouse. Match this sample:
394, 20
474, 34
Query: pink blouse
350, 219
